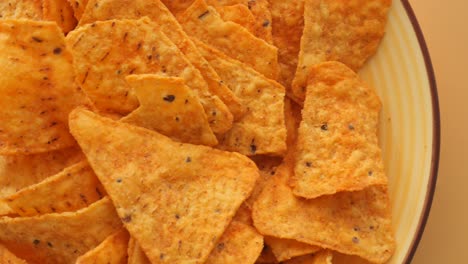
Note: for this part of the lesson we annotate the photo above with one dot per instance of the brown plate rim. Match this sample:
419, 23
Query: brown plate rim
436, 134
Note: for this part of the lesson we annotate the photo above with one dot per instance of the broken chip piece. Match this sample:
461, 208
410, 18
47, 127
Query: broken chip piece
337, 148
169, 107
196, 189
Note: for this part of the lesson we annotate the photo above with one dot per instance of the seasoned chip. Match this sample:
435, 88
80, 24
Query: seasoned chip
6, 257
99, 10
20, 171
240, 243
266, 256
37, 87
261, 130
107, 51
74, 188
287, 28
356, 223
61, 12
239, 14
194, 190
322, 257
337, 147
169, 107
59, 238
113, 250
285, 249
337, 30
78, 7
136, 254
339, 258
204, 23
21, 9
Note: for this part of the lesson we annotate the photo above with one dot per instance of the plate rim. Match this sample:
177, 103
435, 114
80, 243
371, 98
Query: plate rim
435, 130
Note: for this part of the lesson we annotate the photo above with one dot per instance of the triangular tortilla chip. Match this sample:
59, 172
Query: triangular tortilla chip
59, 238
61, 12
113, 250
169, 107
21, 9
285, 249
337, 147
240, 243
78, 7
37, 86
287, 28
356, 223
99, 10
193, 190
351, 35
136, 254
204, 23
239, 14
261, 130
6, 257
322, 257
107, 51
20, 171
73, 188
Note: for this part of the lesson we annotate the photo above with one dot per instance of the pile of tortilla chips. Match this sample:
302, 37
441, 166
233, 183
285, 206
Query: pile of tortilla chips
191, 131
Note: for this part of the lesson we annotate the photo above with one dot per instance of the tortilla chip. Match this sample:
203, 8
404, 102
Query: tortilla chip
355, 223
107, 51
194, 190
136, 254
240, 243
287, 28
339, 258
204, 22
169, 107
21, 9
337, 147
59, 238
351, 35
37, 87
261, 130
322, 257
74, 188
78, 7
61, 12
99, 10
7, 257
285, 249
266, 256
20, 171
113, 250
239, 14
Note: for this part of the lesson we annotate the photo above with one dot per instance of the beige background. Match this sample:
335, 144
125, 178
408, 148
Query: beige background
445, 27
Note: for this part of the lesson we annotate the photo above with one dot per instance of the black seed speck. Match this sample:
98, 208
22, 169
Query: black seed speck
308, 164
324, 127
161, 256
169, 98
371, 227
49, 244
355, 240
39, 40
177, 216
57, 51
207, 12
36, 242
127, 219
188, 159
119, 180
220, 246
253, 148
266, 23
357, 229
370, 173
351, 127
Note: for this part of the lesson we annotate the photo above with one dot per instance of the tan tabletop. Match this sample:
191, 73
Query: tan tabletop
445, 27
